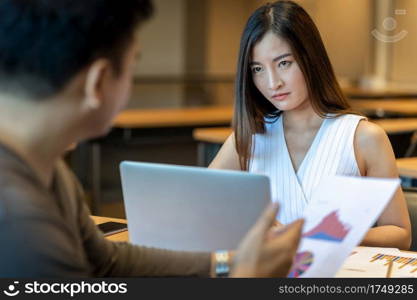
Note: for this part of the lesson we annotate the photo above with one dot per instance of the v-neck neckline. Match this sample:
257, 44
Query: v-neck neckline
310, 149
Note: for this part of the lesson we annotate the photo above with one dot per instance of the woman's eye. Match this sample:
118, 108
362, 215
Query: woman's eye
256, 69
284, 64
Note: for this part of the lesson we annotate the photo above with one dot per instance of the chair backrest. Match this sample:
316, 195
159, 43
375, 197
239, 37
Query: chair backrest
411, 198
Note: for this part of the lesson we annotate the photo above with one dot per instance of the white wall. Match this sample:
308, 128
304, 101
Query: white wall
345, 26
162, 40
226, 21
404, 59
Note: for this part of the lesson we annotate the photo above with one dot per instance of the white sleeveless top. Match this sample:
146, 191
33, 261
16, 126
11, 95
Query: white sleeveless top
331, 153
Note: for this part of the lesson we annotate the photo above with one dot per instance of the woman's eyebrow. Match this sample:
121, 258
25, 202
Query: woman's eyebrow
274, 60
281, 56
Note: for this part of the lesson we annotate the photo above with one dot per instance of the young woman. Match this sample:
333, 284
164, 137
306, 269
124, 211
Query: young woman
293, 123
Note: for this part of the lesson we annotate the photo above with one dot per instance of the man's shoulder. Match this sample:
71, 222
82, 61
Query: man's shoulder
20, 192
36, 240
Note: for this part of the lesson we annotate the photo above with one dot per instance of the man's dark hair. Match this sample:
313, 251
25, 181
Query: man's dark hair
45, 43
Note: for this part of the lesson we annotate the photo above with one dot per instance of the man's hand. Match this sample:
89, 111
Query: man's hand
261, 254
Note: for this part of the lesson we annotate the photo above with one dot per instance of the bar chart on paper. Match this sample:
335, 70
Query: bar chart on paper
407, 265
371, 262
339, 213
329, 229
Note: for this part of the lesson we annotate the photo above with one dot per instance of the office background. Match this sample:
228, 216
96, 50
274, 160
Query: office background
189, 54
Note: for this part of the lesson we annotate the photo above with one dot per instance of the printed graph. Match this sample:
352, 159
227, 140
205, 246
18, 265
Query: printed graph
302, 263
402, 261
329, 229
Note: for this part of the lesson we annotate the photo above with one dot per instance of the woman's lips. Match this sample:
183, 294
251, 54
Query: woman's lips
280, 97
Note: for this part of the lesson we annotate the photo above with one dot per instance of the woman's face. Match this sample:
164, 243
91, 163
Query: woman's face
277, 75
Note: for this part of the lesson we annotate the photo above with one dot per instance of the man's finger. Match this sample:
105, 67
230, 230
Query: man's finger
267, 219
291, 235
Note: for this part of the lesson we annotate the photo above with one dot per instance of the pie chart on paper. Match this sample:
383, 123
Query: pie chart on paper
302, 263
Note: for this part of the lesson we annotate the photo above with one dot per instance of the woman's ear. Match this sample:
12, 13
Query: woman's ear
95, 83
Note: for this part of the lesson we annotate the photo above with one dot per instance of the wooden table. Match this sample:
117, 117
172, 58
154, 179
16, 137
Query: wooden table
175, 117
212, 135
395, 126
209, 143
407, 167
218, 115
381, 108
182, 119
210, 139
391, 126
117, 237
379, 93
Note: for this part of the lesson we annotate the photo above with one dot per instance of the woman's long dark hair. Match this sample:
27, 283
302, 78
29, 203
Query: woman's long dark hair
290, 22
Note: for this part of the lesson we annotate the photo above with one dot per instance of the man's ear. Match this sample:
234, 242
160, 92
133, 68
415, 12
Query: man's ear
94, 84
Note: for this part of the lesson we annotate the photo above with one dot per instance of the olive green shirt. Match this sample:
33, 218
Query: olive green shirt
48, 232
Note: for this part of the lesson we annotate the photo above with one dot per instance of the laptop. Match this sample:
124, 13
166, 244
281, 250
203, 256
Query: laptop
190, 208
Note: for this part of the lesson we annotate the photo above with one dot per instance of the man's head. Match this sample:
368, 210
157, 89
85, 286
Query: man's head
47, 45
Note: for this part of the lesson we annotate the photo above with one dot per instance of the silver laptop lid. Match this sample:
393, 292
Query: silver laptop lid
190, 208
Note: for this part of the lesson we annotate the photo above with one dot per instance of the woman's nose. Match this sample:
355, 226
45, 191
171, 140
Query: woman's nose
274, 81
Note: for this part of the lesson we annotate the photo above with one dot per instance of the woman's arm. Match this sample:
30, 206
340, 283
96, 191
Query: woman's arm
227, 158
376, 158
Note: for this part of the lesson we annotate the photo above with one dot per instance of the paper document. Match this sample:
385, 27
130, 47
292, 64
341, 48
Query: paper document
374, 262
340, 213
